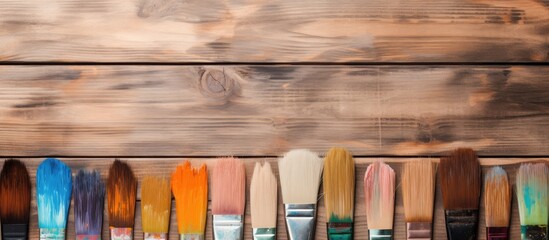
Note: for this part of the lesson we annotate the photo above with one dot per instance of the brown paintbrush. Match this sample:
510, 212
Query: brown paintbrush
15, 195
121, 194
460, 185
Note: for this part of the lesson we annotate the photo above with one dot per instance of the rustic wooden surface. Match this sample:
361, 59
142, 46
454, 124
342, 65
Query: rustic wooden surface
274, 31
267, 110
142, 167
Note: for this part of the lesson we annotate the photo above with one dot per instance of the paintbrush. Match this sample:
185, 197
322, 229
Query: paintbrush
339, 193
15, 194
53, 195
300, 172
532, 200
460, 182
156, 199
190, 189
497, 204
418, 194
121, 194
263, 202
89, 197
379, 193
228, 199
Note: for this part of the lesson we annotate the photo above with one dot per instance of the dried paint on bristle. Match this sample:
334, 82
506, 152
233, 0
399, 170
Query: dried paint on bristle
379, 191
228, 187
532, 193
263, 197
121, 194
53, 193
460, 180
300, 172
89, 198
339, 185
15, 193
418, 190
156, 199
190, 189
497, 198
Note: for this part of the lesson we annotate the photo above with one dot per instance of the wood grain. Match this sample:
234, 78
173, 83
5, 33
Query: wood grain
266, 110
165, 166
274, 31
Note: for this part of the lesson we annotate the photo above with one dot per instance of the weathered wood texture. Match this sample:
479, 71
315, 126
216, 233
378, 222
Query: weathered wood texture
267, 110
166, 166
275, 31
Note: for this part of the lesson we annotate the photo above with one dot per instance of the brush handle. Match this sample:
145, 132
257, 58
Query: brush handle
121, 233
533, 232
300, 221
88, 237
497, 233
418, 230
155, 236
461, 224
15, 231
191, 236
380, 234
52, 234
340, 230
264, 233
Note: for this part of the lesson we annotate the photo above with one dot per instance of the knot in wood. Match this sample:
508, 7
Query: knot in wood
217, 84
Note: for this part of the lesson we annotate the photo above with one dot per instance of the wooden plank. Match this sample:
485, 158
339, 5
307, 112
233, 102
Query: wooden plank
266, 110
274, 31
164, 166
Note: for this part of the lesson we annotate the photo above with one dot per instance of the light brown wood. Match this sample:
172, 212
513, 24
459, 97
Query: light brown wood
274, 31
164, 166
266, 110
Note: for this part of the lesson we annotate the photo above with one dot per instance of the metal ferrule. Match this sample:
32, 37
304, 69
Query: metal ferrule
191, 236
264, 233
497, 233
300, 221
15, 231
88, 237
461, 224
418, 230
228, 227
533, 232
155, 236
121, 233
339, 230
380, 234
52, 234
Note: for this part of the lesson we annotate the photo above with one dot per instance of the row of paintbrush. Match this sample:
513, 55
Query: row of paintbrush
301, 172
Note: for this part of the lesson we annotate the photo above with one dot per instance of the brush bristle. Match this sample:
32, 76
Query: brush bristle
379, 191
460, 180
156, 199
228, 187
190, 189
418, 190
497, 198
15, 193
121, 194
339, 185
89, 197
263, 194
532, 193
53, 192
300, 171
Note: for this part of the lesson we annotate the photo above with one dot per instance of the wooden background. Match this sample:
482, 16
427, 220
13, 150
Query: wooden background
155, 82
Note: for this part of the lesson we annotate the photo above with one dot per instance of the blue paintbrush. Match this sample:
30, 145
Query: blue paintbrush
53, 193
